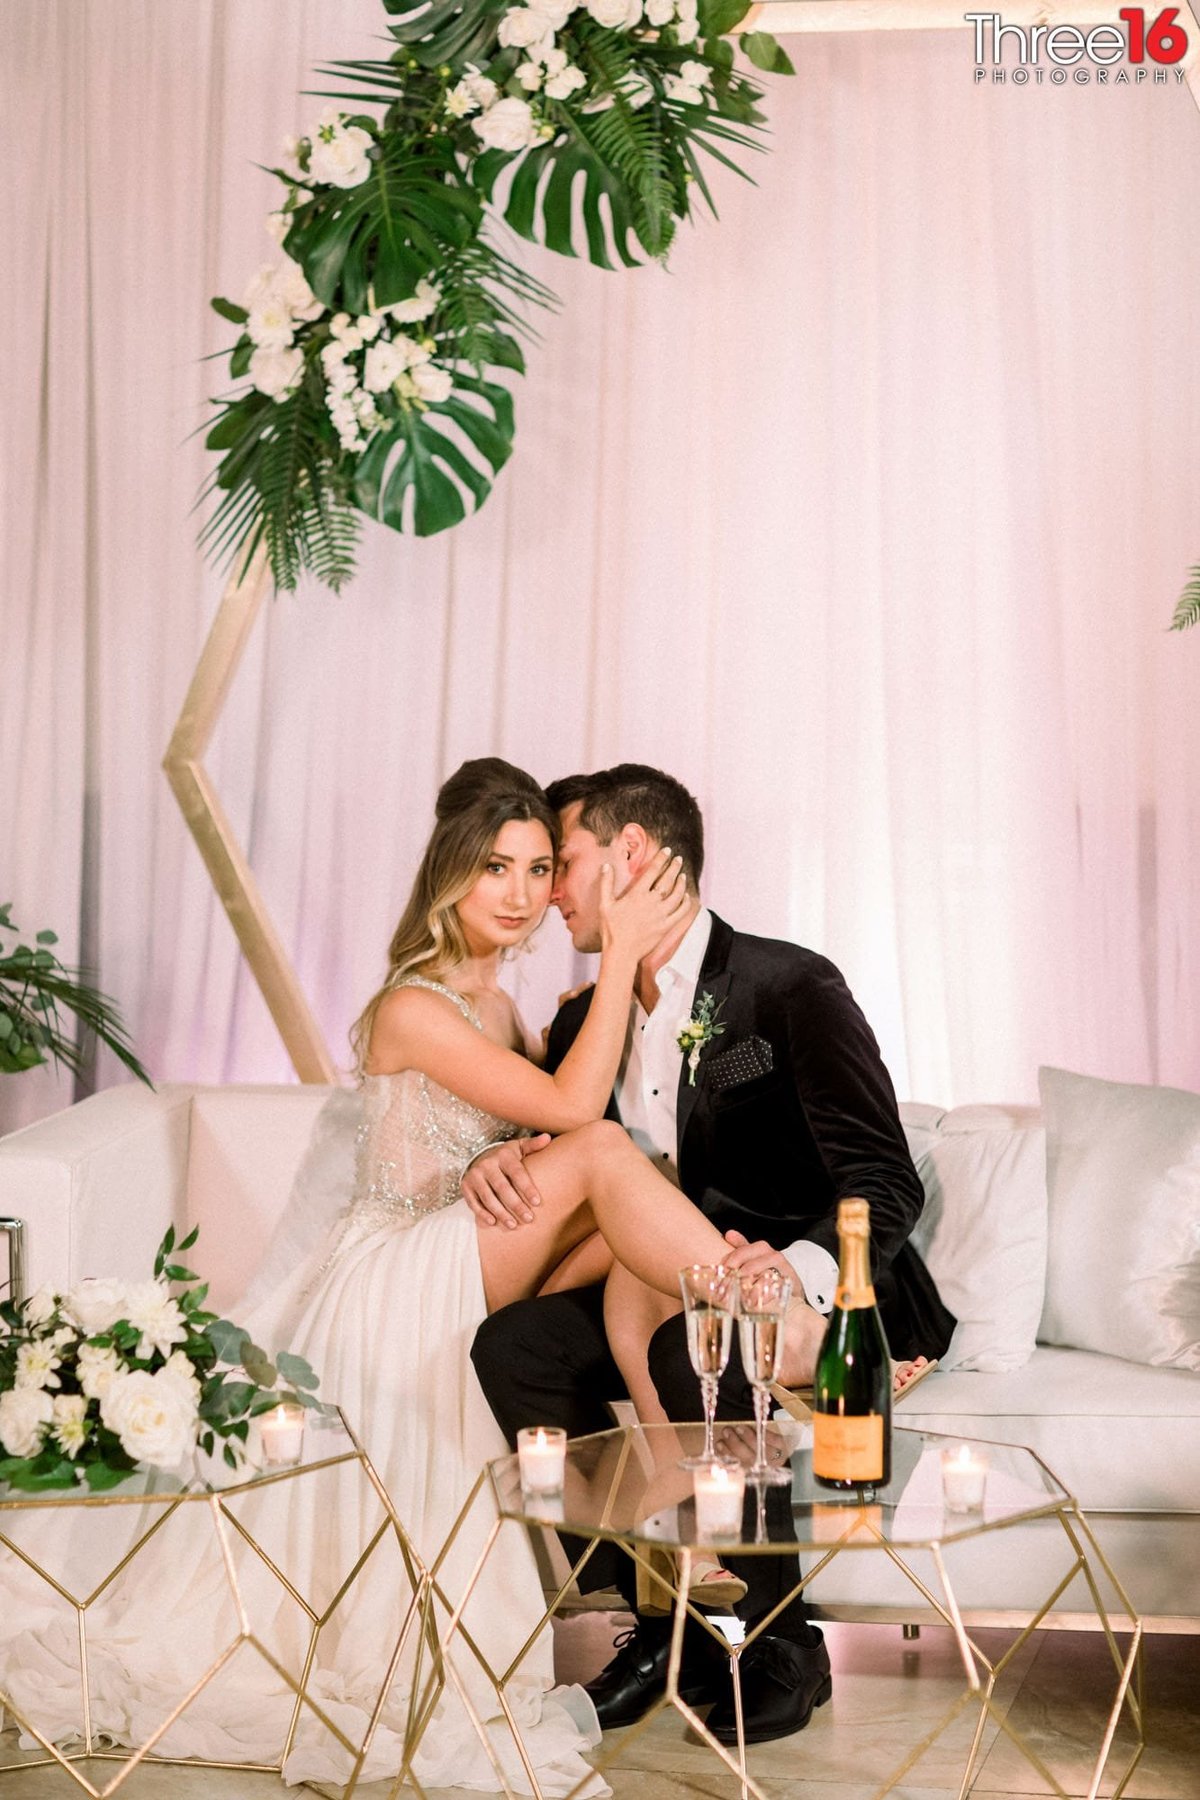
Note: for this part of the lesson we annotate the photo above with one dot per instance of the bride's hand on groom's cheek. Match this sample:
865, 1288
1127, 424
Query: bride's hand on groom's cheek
498, 1187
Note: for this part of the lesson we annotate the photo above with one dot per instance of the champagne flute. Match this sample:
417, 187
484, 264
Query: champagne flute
762, 1315
709, 1297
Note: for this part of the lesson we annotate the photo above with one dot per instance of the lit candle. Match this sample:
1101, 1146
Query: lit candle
542, 1454
964, 1477
719, 1493
283, 1435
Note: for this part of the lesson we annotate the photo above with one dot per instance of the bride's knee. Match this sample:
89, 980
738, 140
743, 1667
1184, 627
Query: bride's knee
601, 1142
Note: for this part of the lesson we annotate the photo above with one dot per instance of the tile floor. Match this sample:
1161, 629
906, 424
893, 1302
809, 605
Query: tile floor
887, 1693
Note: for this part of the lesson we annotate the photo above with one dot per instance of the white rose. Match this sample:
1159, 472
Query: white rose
25, 1413
636, 91
507, 126
38, 1364
40, 1307
431, 383
276, 372
555, 61
560, 86
660, 12
368, 327
278, 225
341, 157
96, 1367
289, 157
481, 87
152, 1312
293, 288
530, 77
95, 1304
422, 302
687, 31
154, 1418
178, 1367
270, 324
682, 92
616, 15
555, 13
520, 27
385, 361
70, 1422
695, 73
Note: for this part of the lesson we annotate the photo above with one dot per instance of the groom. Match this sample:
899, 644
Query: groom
791, 1110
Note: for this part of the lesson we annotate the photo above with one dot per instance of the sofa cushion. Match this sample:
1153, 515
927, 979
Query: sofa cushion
1120, 1436
1123, 1170
983, 1232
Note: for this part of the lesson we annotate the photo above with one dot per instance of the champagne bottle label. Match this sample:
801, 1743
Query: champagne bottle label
848, 1448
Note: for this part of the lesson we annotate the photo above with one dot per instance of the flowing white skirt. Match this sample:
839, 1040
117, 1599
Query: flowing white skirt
388, 1327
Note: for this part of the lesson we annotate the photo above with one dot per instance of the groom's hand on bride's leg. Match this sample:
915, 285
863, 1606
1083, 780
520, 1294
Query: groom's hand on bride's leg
498, 1187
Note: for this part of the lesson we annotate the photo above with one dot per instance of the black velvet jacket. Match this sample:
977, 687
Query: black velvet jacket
793, 1110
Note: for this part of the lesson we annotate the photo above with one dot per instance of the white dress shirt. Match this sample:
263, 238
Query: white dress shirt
647, 1089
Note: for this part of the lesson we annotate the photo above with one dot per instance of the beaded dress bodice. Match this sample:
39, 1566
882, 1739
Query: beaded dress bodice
416, 1139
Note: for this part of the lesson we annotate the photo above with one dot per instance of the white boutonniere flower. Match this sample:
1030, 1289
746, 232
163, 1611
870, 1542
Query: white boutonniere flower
697, 1031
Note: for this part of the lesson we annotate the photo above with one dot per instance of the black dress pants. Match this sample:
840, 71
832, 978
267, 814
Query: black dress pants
547, 1362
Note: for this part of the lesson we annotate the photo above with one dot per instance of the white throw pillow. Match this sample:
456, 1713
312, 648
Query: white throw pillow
983, 1232
1123, 1170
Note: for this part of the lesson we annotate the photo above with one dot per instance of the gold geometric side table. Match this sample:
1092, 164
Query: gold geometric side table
330, 1447
624, 1487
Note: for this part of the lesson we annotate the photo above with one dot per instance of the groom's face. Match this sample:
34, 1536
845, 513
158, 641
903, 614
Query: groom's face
576, 890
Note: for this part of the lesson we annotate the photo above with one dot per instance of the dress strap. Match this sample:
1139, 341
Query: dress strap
439, 987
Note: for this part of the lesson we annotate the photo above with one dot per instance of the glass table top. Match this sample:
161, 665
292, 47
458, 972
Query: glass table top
626, 1484
326, 1441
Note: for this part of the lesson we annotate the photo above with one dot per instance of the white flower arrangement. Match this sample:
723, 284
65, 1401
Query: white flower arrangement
383, 226
111, 1375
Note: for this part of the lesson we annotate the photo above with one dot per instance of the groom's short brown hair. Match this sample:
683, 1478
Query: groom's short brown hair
633, 794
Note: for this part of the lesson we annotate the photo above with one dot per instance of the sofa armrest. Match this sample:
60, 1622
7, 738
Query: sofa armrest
95, 1187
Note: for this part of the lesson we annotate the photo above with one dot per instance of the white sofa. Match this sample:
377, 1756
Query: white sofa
98, 1184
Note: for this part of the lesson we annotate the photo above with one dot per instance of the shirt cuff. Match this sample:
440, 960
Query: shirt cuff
817, 1270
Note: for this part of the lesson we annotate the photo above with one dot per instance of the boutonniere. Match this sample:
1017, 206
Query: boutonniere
697, 1031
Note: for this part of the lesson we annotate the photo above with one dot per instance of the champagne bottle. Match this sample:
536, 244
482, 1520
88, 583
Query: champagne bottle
852, 1389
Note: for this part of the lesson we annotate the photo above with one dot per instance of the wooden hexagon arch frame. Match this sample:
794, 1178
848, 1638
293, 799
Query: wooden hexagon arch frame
203, 813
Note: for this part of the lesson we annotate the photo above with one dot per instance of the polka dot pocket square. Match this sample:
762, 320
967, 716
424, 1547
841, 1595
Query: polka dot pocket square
742, 1062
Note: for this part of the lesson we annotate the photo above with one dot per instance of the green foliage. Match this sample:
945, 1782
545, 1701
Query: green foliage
606, 172
1187, 608
284, 482
237, 1381
35, 990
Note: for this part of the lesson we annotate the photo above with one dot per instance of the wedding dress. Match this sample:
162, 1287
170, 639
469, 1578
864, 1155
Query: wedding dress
382, 1295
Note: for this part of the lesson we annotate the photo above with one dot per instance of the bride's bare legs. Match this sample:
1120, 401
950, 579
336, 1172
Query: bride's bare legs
633, 1312
596, 1179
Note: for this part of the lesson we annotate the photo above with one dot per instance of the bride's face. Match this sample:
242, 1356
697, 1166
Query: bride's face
512, 894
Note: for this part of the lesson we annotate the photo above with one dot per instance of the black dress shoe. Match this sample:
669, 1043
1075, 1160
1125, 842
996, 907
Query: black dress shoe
781, 1684
627, 1687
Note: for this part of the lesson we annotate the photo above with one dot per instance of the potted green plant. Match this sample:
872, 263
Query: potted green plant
36, 990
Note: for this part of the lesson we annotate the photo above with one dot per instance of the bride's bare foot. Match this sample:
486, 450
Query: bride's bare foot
712, 1584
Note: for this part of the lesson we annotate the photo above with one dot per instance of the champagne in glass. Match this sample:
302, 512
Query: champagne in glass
852, 1389
762, 1316
709, 1296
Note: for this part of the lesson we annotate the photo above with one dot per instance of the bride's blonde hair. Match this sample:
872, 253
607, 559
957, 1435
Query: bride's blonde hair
472, 806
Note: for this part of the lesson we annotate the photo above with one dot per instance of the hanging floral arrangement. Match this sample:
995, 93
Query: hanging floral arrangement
377, 352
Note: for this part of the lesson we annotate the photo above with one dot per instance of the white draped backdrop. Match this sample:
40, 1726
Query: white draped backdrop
866, 519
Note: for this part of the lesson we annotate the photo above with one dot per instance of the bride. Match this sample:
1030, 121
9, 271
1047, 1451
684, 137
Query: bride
385, 1305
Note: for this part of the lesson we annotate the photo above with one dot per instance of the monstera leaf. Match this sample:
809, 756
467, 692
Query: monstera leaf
448, 31
427, 455
383, 235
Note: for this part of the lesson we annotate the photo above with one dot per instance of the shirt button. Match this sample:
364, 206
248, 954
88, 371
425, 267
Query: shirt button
654, 1090
665, 1157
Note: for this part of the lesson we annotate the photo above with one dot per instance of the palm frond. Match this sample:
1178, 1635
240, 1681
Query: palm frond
1187, 607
